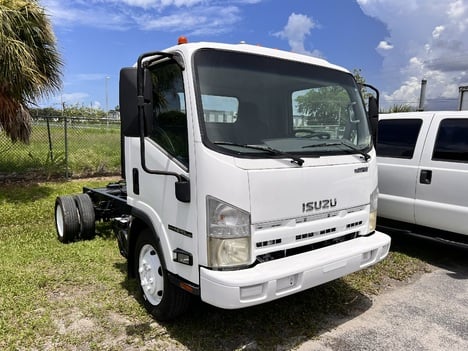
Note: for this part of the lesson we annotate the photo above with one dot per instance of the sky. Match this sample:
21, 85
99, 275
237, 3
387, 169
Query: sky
395, 43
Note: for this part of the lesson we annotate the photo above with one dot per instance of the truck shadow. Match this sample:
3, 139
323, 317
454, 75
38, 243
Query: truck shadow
450, 256
278, 325
288, 322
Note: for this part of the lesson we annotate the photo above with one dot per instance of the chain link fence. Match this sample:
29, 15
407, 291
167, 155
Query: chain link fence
63, 147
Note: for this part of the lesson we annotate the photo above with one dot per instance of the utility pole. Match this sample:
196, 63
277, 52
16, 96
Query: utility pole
422, 97
107, 101
107, 94
462, 103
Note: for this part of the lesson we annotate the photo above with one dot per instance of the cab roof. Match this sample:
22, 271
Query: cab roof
188, 49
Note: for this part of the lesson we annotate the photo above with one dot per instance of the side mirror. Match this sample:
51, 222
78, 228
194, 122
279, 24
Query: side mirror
372, 106
128, 101
373, 116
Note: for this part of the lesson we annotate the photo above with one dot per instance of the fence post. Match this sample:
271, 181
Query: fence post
51, 153
66, 147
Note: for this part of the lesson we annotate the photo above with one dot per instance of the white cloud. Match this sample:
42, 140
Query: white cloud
193, 17
384, 45
437, 32
457, 9
71, 98
160, 3
90, 76
428, 41
196, 21
67, 13
296, 30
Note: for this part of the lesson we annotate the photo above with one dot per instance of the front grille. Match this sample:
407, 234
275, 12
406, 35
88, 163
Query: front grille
305, 248
352, 225
292, 236
311, 235
268, 243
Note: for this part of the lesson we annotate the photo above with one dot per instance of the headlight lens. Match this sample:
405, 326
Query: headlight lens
228, 235
373, 210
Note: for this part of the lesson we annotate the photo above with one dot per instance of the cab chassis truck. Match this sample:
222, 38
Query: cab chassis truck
249, 174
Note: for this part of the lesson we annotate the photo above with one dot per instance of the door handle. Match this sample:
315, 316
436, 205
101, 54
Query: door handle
425, 177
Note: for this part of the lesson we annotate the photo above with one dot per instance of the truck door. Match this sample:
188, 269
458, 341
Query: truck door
167, 149
399, 146
442, 187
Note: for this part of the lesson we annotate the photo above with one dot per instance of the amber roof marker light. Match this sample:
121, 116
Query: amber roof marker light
182, 40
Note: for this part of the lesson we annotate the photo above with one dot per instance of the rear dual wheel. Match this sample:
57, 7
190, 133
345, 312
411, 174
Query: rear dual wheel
87, 217
74, 217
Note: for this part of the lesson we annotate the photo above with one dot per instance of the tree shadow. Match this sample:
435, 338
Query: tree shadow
15, 193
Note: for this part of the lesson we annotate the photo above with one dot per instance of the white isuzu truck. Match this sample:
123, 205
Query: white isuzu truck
249, 175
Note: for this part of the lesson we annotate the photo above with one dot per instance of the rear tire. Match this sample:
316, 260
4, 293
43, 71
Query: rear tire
67, 221
163, 300
87, 216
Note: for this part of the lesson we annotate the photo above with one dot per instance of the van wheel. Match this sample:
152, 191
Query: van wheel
86, 214
67, 222
162, 299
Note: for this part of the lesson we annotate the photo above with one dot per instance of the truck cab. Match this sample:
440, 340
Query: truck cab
250, 175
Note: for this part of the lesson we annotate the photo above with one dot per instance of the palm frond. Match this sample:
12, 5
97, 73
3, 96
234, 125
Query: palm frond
30, 64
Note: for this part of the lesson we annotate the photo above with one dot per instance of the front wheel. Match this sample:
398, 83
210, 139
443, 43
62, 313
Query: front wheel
162, 299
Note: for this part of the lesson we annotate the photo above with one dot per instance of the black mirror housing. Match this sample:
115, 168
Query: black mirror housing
128, 101
373, 116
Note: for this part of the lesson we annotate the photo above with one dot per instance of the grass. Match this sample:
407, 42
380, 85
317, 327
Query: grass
77, 296
92, 150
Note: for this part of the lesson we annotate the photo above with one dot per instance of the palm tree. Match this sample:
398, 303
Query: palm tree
30, 64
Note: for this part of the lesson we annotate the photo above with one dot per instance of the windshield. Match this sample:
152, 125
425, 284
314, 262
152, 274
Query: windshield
286, 106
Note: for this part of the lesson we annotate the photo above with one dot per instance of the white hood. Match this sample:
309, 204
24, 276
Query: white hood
299, 191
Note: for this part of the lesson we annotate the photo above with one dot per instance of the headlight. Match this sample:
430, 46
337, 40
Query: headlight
373, 210
228, 235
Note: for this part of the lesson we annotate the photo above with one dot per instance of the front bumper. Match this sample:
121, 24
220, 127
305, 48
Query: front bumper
274, 279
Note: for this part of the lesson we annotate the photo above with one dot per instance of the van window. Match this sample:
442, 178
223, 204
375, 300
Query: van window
170, 119
397, 137
452, 141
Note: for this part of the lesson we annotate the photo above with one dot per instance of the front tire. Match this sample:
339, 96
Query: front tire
163, 300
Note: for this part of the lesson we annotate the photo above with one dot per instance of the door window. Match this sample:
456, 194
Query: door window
397, 137
170, 119
452, 141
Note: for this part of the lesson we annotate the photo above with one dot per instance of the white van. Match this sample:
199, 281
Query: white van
423, 172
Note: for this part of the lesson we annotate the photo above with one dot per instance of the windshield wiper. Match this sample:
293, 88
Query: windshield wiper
351, 148
295, 159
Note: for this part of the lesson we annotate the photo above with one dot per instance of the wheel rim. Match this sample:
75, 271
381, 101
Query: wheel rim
151, 274
59, 220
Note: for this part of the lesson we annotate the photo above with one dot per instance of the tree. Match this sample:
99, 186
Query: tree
30, 64
328, 104
323, 105
399, 108
75, 110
